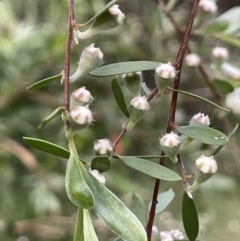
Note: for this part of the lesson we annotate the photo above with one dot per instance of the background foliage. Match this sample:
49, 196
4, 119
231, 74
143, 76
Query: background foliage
33, 202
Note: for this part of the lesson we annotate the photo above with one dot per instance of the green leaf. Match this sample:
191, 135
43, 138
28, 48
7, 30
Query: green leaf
228, 39
44, 82
150, 168
163, 199
117, 92
213, 27
101, 163
190, 217
114, 213
84, 229
138, 208
204, 134
222, 86
105, 9
124, 67
118, 239
198, 97
76, 187
47, 147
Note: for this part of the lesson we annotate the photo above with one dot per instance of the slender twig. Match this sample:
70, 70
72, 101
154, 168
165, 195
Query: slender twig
67, 59
171, 120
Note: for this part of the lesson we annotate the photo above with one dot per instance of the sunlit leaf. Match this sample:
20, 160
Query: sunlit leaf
222, 86
114, 213
124, 67
76, 187
101, 163
44, 82
137, 206
213, 27
163, 199
204, 134
190, 217
150, 168
117, 92
47, 147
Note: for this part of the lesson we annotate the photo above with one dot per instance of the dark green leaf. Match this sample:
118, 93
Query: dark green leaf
190, 217
117, 92
44, 82
114, 213
124, 67
150, 168
138, 208
47, 147
204, 134
213, 27
222, 86
163, 199
76, 187
101, 163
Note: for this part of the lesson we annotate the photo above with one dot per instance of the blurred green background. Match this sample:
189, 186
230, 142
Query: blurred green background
33, 202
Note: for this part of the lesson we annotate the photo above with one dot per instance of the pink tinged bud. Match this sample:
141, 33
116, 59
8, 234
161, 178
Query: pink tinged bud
176, 234
155, 231
201, 119
221, 53
166, 236
81, 97
117, 13
81, 115
103, 147
140, 103
206, 165
233, 101
166, 71
98, 175
208, 6
192, 60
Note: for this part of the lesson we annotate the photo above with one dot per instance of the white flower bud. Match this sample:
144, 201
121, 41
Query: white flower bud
90, 59
81, 97
140, 103
81, 115
221, 53
133, 82
166, 71
170, 144
166, 236
192, 60
233, 101
117, 13
155, 231
98, 175
206, 164
201, 119
208, 6
231, 71
103, 147
176, 234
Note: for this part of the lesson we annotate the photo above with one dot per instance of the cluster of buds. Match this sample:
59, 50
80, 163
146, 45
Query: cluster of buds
171, 235
164, 75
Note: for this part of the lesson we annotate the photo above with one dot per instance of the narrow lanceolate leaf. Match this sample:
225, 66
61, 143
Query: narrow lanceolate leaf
150, 168
101, 163
213, 27
230, 39
118, 94
84, 229
124, 67
76, 187
47, 147
138, 208
163, 199
222, 86
204, 134
114, 213
190, 217
44, 82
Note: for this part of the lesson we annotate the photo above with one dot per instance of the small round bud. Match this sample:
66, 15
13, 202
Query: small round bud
221, 53
192, 60
166, 236
103, 147
206, 164
233, 101
208, 6
117, 13
155, 231
201, 119
81, 97
176, 234
170, 144
98, 175
140, 103
133, 82
166, 71
81, 115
